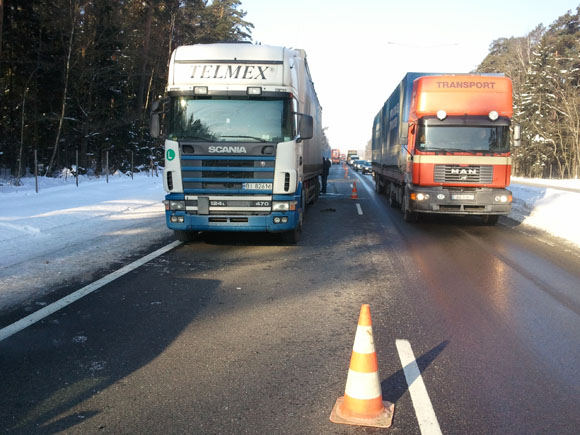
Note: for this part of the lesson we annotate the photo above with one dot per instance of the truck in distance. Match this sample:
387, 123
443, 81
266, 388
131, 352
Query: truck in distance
441, 144
243, 139
335, 156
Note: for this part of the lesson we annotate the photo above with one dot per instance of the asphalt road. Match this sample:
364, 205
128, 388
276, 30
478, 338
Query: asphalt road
238, 333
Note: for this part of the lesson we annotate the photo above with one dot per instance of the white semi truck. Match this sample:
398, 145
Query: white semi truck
243, 139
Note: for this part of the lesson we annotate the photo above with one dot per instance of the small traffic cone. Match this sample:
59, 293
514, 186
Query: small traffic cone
346, 172
354, 194
362, 403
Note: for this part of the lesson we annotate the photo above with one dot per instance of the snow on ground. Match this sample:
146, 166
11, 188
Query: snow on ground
65, 233
549, 209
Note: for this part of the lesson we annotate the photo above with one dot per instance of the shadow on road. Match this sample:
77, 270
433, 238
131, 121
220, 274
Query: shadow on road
51, 374
395, 385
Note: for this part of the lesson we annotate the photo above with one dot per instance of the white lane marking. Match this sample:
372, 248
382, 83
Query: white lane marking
426, 417
67, 300
358, 209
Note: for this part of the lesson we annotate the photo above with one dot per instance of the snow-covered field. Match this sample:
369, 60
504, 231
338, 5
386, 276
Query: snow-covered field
65, 233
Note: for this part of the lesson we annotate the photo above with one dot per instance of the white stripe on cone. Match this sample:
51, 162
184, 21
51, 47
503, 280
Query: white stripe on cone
363, 386
363, 340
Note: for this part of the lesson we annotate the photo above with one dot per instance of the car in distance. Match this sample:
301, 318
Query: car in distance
366, 167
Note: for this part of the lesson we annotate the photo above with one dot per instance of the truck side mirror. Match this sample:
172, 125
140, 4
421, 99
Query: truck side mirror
404, 132
517, 135
157, 111
305, 127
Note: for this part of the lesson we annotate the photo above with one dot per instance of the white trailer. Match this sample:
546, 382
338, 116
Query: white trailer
243, 139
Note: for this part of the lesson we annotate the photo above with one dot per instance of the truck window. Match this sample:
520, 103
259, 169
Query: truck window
229, 119
463, 138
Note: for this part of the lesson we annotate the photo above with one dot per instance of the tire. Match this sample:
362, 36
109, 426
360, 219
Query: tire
293, 236
391, 193
408, 215
490, 219
185, 236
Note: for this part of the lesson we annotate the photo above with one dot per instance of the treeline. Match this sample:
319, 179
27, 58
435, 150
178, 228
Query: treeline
545, 69
80, 76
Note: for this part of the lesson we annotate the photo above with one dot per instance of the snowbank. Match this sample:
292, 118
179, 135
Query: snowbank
547, 208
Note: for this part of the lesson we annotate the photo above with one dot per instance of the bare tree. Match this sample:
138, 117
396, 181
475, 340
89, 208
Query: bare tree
73, 10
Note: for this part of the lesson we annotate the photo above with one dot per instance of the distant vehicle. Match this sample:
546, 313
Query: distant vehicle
335, 156
351, 155
357, 165
352, 159
441, 144
366, 167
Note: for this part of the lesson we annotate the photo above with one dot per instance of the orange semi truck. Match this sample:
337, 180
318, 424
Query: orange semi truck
441, 144
335, 156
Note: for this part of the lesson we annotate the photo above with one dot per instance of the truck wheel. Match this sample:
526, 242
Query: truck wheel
490, 219
185, 236
378, 187
408, 215
293, 236
391, 194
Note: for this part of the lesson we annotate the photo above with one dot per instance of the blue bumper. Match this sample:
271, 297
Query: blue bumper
233, 223
275, 222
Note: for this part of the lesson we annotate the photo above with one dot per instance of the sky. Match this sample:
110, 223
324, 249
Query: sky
65, 233
358, 51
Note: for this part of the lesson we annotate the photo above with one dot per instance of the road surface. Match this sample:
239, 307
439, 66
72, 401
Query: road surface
238, 333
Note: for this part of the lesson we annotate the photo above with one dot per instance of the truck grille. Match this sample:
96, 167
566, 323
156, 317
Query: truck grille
206, 175
463, 174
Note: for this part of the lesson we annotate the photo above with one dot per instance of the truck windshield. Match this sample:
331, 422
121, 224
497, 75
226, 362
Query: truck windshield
463, 138
229, 119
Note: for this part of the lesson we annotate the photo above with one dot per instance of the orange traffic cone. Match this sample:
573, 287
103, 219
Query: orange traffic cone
354, 194
346, 172
362, 403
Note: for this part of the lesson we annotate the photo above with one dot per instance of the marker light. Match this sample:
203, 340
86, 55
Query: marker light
493, 115
441, 115
200, 90
254, 90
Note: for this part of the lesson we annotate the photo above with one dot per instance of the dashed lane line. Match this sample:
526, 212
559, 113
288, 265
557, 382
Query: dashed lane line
426, 417
359, 209
31, 319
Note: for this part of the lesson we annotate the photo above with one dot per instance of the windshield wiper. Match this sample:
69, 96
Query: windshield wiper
259, 139
204, 138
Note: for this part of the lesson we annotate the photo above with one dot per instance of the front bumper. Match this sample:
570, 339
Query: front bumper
463, 201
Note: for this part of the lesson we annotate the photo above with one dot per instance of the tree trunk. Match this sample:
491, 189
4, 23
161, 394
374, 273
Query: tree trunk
144, 60
65, 92
1, 20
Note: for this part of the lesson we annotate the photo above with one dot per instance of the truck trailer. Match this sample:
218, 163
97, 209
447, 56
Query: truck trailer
441, 144
243, 139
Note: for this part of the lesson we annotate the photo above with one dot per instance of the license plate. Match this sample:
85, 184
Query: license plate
463, 196
257, 186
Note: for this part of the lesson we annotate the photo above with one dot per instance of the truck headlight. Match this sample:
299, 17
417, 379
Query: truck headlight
503, 198
283, 205
176, 205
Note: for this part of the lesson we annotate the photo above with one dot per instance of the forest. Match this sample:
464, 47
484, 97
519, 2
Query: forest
78, 77
544, 67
